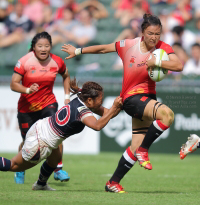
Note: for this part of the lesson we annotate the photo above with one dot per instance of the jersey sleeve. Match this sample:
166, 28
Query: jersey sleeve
19, 68
60, 63
84, 112
120, 48
166, 47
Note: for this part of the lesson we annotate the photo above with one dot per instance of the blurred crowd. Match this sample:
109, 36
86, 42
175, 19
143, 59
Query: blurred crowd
71, 21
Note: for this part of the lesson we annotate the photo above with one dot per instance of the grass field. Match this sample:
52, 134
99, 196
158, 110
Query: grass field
171, 181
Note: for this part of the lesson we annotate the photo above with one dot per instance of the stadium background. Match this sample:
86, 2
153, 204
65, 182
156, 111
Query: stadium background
179, 91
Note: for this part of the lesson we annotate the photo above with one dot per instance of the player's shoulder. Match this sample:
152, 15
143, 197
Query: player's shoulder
26, 57
128, 42
162, 45
57, 59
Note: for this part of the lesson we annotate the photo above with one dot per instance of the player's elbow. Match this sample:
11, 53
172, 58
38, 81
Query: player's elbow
97, 128
180, 67
12, 86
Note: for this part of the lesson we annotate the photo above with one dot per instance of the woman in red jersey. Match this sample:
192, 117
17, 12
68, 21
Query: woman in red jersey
149, 117
37, 71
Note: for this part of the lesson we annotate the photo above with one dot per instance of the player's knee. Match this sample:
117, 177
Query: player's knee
167, 116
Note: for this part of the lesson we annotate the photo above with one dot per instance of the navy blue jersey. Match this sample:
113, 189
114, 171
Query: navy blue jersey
68, 120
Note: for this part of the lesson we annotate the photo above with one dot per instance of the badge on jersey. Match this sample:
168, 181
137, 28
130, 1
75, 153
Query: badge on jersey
18, 64
81, 108
122, 43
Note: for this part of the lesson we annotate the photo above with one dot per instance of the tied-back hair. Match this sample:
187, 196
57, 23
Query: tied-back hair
40, 36
89, 89
149, 20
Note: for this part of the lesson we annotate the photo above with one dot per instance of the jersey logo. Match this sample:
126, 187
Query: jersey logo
64, 121
122, 43
53, 69
32, 69
18, 64
81, 108
143, 99
141, 64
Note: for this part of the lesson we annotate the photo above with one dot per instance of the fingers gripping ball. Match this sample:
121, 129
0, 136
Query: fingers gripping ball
158, 73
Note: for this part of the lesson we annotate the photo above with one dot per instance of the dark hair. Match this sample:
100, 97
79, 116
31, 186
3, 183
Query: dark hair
177, 44
39, 36
195, 45
149, 20
89, 89
178, 30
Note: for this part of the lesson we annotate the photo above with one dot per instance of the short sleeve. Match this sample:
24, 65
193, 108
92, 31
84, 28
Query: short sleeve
19, 68
60, 63
84, 112
166, 47
120, 48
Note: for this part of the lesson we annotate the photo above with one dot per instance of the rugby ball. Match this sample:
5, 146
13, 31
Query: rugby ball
157, 73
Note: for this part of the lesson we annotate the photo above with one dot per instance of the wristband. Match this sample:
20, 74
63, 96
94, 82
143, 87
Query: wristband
67, 96
27, 90
158, 62
78, 51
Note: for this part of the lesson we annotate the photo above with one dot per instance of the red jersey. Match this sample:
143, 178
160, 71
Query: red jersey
44, 74
136, 79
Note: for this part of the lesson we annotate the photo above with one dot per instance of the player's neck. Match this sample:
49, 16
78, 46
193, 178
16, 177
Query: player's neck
144, 48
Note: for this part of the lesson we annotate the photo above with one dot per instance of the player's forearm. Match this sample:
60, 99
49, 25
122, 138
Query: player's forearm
172, 65
17, 87
66, 84
102, 122
99, 49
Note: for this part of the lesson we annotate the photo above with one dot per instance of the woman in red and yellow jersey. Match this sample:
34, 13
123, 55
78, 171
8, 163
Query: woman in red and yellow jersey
37, 71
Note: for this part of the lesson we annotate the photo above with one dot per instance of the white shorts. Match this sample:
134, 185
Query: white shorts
35, 149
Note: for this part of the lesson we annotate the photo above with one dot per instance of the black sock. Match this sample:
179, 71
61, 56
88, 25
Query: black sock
5, 164
45, 173
125, 164
154, 131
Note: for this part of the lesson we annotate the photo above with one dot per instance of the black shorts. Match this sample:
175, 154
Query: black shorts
135, 105
26, 120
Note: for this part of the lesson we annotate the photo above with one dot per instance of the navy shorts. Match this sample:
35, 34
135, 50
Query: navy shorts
135, 105
26, 120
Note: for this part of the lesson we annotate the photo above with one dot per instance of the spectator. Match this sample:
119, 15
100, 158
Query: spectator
34, 10
181, 15
17, 20
3, 16
84, 32
3, 10
47, 17
71, 4
60, 29
18, 26
97, 9
198, 29
180, 52
178, 34
193, 64
196, 6
128, 6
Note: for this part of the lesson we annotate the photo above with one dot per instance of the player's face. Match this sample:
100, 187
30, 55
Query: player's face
95, 104
42, 49
152, 35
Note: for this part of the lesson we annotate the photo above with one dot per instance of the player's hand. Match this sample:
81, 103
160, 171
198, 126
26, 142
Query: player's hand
118, 102
151, 61
69, 49
34, 88
67, 101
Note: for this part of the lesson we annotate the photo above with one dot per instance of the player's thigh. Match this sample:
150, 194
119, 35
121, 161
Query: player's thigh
26, 120
155, 110
49, 110
135, 105
139, 130
55, 157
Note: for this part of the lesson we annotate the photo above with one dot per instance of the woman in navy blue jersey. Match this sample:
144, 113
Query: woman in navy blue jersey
45, 135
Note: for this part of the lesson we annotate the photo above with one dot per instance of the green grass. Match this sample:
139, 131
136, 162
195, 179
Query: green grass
171, 181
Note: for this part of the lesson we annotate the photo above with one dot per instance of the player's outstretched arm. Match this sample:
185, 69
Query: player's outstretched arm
72, 51
97, 125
